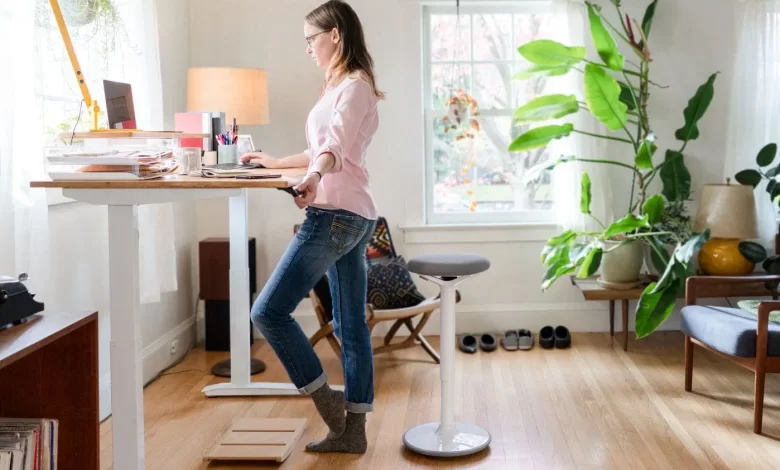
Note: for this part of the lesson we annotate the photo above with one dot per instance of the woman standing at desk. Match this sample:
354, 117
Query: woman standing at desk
340, 220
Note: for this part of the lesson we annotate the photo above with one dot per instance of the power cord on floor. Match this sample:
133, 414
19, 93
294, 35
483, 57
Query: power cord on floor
181, 359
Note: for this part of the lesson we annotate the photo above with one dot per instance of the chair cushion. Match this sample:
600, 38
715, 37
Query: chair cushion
728, 330
390, 286
449, 264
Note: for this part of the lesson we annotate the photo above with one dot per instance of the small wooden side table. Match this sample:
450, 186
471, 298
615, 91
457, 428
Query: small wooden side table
592, 290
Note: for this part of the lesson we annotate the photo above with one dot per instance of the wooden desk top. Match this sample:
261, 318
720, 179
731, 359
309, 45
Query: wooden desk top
40, 330
591, 290
290, 177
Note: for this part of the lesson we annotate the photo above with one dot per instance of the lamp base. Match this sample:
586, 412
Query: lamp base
721, 257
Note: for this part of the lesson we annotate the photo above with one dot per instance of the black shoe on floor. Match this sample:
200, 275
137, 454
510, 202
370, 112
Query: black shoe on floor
562, 337
546, 337
488, 342
467, 343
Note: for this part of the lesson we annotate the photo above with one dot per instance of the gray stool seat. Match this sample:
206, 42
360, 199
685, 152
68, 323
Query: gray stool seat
449, 264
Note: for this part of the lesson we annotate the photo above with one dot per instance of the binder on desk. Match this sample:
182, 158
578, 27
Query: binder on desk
199, 123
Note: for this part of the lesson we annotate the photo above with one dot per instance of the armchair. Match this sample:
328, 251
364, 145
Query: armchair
733, 333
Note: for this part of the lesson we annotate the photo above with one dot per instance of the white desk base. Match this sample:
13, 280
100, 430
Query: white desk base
126, 361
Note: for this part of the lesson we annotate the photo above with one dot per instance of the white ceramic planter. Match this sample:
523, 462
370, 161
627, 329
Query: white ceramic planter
621, 266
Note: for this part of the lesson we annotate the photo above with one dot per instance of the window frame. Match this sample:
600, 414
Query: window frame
430, 114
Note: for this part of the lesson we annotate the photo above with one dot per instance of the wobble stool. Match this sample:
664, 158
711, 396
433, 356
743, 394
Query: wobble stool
447, 438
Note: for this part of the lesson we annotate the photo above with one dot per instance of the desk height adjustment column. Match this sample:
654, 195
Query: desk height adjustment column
127, 403
239, 290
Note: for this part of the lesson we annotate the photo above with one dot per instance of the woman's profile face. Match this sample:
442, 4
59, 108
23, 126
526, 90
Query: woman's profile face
321, 45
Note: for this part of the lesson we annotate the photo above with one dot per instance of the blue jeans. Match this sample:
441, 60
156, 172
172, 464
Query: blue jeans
332, 242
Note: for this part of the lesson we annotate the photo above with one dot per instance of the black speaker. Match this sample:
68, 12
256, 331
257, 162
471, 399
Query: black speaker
215, 290
218, 326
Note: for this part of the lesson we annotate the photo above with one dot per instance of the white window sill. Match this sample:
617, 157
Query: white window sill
478, 233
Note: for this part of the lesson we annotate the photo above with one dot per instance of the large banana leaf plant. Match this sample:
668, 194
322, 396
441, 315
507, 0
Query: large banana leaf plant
617, 93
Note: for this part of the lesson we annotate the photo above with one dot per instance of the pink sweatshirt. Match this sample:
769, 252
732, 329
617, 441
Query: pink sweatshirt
343, 122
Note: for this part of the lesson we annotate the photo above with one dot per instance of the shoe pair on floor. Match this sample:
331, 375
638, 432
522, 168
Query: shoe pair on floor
468, 343
559, 337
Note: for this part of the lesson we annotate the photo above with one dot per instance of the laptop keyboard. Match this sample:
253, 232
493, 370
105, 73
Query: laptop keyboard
234, 166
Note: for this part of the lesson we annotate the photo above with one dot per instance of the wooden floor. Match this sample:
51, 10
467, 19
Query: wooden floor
590, 407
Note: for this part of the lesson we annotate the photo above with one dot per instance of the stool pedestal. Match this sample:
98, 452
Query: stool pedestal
447, 438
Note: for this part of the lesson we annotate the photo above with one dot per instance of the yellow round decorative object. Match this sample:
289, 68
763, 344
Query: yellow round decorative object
721, 257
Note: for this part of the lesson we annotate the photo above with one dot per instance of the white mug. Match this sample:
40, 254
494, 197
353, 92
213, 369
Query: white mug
210, 158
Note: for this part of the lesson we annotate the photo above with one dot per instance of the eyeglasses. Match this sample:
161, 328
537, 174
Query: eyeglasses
309, 38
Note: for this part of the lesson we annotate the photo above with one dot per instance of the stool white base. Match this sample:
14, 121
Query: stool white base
459, 440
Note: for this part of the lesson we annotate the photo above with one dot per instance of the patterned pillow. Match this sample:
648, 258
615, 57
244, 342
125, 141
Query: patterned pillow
390, 285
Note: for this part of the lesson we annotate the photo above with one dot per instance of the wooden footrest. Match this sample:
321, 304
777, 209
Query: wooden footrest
259, 439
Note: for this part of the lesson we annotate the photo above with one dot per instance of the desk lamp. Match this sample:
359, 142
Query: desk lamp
730, 213
241, 93
92, 104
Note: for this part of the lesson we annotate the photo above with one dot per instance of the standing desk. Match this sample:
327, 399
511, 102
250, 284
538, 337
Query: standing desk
122, 199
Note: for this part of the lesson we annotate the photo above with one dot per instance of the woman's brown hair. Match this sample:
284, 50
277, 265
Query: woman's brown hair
352, 55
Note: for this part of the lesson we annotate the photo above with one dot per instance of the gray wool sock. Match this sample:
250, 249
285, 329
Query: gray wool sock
353, 440
330, 404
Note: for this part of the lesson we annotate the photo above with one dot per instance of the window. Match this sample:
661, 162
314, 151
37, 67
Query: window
105, 50
475, 179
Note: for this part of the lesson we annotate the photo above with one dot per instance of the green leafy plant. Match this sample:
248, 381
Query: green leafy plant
617, 93
764, 159
756, 253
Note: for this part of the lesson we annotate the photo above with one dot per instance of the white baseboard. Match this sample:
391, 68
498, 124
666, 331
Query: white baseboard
156, 357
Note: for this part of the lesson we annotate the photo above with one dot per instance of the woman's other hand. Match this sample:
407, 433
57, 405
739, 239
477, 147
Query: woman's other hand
261, 158
307, 189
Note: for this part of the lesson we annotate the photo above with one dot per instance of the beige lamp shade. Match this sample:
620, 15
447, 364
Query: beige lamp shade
240, 93
729, 210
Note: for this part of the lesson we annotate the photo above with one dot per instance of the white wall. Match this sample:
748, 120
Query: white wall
79, 241
691, 39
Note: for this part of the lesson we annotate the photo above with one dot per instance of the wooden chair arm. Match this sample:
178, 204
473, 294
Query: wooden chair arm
762, 330
695, 284
427, 305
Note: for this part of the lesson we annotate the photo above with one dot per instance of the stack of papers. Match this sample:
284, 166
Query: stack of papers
28, 444
112, 165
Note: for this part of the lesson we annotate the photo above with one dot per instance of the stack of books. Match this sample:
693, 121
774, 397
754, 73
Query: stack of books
28, 444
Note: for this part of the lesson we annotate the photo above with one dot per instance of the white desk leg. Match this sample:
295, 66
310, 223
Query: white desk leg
240, 354
127, 402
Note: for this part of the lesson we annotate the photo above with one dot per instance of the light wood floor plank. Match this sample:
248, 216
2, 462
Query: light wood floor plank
593, 406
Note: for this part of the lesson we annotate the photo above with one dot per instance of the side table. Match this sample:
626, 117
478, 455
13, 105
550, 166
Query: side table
592, 290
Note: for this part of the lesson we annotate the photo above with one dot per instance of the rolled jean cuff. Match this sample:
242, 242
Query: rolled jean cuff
359, 407
314, 385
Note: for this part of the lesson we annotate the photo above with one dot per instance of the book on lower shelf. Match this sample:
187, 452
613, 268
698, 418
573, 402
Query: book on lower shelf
28, 444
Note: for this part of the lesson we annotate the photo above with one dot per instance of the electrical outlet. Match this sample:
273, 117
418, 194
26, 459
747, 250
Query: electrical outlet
174, 346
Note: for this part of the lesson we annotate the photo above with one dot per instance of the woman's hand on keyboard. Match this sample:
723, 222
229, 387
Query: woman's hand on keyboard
261, 158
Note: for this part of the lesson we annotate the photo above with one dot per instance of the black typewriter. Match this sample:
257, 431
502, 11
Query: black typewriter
16, 302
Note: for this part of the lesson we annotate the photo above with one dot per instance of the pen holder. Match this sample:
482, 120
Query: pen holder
227, 154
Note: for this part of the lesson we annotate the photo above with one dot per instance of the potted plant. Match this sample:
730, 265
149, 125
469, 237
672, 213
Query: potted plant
675, 220
617, 93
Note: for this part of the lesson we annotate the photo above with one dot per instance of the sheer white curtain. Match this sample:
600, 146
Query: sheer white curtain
754, 115
24, 243
24, 231
157, 269
572, 18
